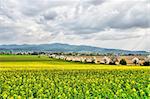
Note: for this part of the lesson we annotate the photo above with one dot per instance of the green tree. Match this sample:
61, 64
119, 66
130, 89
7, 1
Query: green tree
123, 62
146, 63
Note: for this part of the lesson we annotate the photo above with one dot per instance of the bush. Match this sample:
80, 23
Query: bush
112, 63
146, 63
123, 62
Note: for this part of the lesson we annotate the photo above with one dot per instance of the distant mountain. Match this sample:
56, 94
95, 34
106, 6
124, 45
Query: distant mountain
57, 47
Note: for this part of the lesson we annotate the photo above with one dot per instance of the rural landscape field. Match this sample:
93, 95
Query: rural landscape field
74, 49
27, 76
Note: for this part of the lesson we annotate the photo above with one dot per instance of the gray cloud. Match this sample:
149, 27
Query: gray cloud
51, 15
95, 2
118, 16
118, 35
44, 21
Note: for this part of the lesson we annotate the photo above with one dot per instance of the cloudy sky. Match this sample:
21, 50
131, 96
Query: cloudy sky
123, 24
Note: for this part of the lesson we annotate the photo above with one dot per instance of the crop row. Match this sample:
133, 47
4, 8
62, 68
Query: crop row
77, 84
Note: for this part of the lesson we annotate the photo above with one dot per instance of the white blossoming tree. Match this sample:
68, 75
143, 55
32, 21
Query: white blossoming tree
135, 60
147, 61
106, 60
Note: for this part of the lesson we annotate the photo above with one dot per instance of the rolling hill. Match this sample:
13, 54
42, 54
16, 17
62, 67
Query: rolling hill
58, 47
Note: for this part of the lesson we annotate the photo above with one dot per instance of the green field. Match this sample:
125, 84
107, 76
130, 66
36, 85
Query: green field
28, 62
46, 78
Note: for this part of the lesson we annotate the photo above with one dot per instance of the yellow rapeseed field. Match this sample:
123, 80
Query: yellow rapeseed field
31, 77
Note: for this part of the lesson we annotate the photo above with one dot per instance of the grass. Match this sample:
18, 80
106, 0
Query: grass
30, 62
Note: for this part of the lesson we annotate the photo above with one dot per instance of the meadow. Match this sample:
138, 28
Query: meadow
46, 78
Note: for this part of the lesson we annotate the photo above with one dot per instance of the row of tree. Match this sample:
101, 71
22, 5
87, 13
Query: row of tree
112, 60
136, 61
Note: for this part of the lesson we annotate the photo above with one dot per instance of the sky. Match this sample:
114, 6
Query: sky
120, 24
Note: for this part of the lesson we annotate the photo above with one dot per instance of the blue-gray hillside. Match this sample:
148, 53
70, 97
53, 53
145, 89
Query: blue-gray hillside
58, 47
